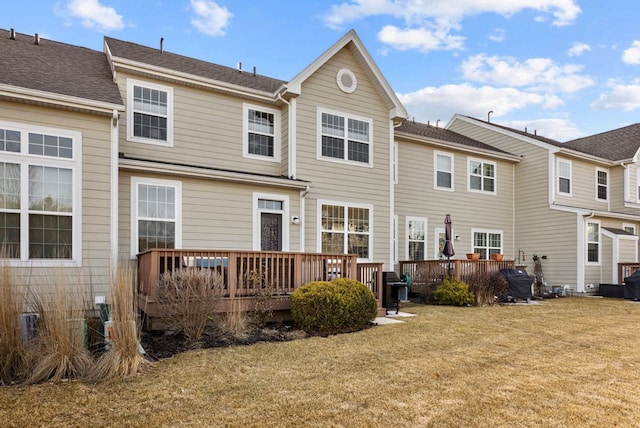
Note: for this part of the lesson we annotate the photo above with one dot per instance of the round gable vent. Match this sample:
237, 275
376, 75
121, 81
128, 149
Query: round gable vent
347, 81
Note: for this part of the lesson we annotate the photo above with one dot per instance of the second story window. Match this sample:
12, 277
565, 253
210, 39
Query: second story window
345, 138
602, 184
482, 176
444, 171
149, 113
261, 136
564, 177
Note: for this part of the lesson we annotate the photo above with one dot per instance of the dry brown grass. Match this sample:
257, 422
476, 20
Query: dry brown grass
123, 357
14, 359
570, 362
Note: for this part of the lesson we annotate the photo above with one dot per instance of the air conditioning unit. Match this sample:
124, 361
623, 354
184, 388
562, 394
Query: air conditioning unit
28, 326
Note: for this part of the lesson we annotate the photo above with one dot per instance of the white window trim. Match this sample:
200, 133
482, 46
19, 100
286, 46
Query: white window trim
346, 116
406, 235
586, 240
276, 133
256, 218
435, 171
606, 171
135, 181
169, 90
495, 177
487, 231
568, 162
25, 159
436, 241
630, 226
638, 184
346, 206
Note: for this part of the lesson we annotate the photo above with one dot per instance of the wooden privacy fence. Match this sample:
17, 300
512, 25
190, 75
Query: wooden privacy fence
242, 272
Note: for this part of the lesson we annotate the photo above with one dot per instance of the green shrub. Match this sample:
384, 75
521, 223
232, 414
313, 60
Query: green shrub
454, 292
333, 306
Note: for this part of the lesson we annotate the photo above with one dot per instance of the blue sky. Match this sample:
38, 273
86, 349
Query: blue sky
566, 68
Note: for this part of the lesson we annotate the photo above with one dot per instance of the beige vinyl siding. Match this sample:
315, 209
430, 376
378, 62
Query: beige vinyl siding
341, 182
583, 186
415, 196
96, 208
215, 214
617, 189
207, 131
284, 155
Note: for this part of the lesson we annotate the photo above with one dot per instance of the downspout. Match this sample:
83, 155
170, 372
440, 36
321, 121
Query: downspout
114, 193
580, 274
513, 209
303, 195
625, 182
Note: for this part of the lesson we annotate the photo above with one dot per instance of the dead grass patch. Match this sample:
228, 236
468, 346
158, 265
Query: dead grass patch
565, 362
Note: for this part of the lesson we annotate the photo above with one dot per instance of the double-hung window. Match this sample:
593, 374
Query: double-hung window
593, 242
564, 176
344, 137
345, 229
261, 136
443, 171
149, 112
156, 219
482, 176
416, 238
487, 242
39, 176
602, 184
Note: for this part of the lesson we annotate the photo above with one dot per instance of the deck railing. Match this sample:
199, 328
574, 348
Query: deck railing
626, 269
284, 271
436, 270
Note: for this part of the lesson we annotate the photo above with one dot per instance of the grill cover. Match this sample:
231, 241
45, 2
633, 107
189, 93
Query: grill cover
632, 286
519, 283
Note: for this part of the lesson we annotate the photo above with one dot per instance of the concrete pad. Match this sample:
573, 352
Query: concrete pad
400, 314
385, 321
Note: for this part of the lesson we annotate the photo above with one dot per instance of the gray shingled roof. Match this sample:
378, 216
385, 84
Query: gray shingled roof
616, 145
184, 64
533, 135
57, 68
442, 134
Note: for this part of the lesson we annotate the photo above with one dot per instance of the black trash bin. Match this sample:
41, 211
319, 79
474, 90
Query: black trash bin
632, 286
391, 285
519, 283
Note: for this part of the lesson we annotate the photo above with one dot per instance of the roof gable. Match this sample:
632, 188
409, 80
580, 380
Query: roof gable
56, 68
396, 108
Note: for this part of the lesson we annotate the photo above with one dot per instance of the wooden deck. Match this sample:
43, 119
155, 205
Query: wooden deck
426, 271
284, 271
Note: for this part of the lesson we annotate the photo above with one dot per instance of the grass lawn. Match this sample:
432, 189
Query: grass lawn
569, 362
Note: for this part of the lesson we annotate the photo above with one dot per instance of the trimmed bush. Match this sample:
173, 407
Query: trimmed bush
333, 306
454, 292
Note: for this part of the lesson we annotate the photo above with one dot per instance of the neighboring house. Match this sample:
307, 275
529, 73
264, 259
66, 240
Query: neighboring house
58, 125
441, 172
576, 202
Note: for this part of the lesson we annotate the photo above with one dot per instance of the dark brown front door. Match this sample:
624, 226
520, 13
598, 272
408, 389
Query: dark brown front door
270, 232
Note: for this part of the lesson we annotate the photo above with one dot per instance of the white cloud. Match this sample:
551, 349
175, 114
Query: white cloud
632, 55
620, 96
432, 103
420, 39
556, 129
211, 19
92, 14
442, 17
497, 35
539, 74
578, 49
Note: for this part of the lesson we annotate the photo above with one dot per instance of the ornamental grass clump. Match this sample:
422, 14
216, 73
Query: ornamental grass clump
488, 287
123, 356
13, 355
454, 292
333, 306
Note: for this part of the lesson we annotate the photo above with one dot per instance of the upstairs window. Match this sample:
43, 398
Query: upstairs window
564, 177
443, 171
261, 136
482, 176
602, 184
149, 112
345, 138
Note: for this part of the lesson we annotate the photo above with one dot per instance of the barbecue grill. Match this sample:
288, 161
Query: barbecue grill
392, 286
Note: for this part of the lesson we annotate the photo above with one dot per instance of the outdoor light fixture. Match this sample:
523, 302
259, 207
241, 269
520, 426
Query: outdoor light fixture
457, 237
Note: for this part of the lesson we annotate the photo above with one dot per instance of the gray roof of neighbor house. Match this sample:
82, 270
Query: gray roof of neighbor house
533, 135
56, 68
442, 134
615, 145
170, 61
